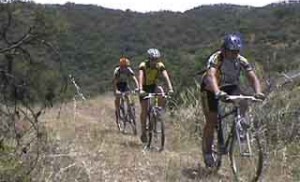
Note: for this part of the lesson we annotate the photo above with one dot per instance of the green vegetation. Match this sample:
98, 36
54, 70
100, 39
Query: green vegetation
97, 37
40, 45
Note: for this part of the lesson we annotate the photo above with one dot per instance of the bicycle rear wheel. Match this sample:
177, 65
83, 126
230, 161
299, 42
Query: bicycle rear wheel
246, 157
156, 133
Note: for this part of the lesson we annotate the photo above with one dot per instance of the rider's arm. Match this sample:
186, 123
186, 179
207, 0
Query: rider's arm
141, 79
166, 76
254, 81
132, 75
212, 79
115, 80
136, 81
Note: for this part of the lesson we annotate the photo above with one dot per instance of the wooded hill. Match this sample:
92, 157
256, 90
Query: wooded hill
92, 38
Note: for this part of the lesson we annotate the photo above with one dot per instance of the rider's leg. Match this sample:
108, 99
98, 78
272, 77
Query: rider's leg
128, 98
209, 105
208, 133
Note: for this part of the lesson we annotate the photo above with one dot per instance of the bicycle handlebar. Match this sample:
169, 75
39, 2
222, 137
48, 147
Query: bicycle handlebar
151, 95
243, 97
123, 94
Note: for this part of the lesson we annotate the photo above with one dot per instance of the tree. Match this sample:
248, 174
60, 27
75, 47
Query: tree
30, 80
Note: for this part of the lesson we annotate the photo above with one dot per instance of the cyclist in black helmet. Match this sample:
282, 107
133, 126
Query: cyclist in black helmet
220, 79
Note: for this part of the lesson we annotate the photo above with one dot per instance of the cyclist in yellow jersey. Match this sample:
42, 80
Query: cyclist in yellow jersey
149, 72
122, 74
221, 79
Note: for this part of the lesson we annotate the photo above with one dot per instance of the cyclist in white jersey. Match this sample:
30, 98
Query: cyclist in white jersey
122, 74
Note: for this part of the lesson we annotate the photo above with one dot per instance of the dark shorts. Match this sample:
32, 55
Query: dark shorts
210, 103
148, 89
122, 86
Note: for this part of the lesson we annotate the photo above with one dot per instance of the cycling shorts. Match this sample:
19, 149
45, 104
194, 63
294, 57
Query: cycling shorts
122, 86
149, 89
210, 103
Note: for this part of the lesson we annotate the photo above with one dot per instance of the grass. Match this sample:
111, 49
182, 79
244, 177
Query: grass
85, 145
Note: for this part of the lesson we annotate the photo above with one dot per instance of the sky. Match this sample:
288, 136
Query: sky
157, 5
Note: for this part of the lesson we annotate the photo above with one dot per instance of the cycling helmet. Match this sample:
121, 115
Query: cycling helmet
124, 62
153, 54
232, 42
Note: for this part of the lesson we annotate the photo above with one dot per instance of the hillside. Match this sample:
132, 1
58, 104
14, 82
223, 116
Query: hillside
96, 37
48, 134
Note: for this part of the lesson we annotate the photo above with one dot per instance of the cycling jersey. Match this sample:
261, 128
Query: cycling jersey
228, 71
122, 74
151, 74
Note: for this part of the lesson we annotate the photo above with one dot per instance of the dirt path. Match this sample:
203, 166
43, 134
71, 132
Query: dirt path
86, 146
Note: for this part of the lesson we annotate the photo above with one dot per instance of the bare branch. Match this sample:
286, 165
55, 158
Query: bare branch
23, 40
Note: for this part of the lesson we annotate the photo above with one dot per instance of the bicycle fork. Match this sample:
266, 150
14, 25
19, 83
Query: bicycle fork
242, 136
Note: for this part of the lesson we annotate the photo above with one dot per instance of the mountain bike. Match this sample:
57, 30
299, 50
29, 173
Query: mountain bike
241, 138
126, 113
155, 125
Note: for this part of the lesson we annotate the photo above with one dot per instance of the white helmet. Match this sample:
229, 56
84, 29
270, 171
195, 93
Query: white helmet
153, 53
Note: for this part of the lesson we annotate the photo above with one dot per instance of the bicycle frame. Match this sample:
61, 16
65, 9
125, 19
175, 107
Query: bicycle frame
153, 113
236, 126
152, 99
127, 112
242, 144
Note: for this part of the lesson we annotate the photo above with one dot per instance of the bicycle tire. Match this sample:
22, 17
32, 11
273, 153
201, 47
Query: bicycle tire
247, 168
156, 133
220, 148
132, 119
122, 118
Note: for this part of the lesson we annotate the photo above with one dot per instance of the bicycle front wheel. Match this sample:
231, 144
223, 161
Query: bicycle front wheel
156, 133
246, 156
122, 119
131, 119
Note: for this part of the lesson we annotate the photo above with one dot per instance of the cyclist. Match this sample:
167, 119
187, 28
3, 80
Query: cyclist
220, 79
122, 73
149, 72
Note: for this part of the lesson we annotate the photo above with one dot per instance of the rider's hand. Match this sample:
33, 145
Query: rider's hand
221, 95
117, 92
142, 92
136, 90
171, 92
260, 96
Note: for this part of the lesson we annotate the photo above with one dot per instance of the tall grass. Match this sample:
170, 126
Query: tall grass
278, 116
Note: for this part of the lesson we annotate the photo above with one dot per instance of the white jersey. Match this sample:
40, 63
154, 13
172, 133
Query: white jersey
122, 74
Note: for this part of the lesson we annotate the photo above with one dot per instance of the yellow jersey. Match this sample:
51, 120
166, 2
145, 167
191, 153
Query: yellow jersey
151, 75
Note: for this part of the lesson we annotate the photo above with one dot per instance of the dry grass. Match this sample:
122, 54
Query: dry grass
86, 146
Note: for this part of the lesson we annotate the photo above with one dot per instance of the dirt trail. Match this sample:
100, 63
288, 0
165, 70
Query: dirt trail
88, 147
